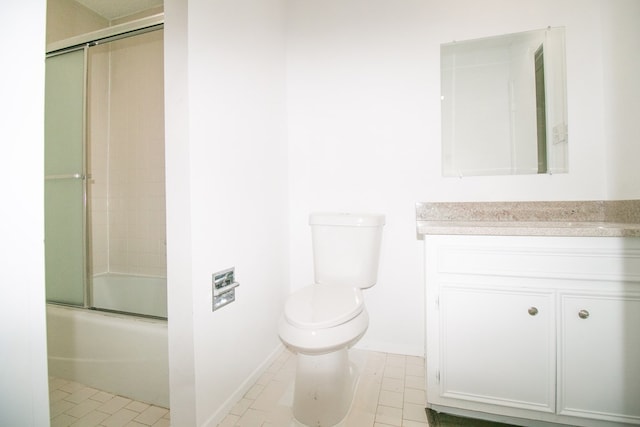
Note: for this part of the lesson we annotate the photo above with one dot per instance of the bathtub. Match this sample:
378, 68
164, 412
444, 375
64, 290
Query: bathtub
121, 354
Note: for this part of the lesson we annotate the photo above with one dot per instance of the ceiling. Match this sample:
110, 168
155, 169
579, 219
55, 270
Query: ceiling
112, 9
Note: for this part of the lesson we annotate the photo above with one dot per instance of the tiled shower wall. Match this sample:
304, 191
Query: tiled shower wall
126, 156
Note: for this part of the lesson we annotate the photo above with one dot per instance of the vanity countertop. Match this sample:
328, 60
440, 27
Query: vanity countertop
619, 218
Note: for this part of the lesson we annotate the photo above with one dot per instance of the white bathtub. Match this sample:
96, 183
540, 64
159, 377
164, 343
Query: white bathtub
124, 355
131, 294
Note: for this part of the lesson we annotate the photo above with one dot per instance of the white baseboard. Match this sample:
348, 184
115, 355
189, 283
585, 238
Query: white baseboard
237, 395
393, 348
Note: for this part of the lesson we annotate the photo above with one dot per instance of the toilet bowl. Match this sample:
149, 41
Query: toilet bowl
323, 320
319, 319
325, 379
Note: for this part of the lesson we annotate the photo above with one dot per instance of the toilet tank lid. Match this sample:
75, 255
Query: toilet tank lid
347, 219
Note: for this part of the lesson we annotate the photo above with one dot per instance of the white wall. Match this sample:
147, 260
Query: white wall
363, 100
357, 107
23, 359
180, 291
226, 196
621, 63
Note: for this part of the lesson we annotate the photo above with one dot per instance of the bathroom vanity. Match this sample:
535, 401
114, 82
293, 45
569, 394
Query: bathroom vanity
533, 311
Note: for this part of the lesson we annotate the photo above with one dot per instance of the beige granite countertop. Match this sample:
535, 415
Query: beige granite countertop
571, 218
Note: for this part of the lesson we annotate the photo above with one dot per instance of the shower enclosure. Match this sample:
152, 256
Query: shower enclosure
105, 244
105, 211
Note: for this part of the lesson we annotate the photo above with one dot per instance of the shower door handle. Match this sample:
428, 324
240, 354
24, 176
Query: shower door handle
66, 176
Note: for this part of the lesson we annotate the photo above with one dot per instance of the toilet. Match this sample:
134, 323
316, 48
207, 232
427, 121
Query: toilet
323, 320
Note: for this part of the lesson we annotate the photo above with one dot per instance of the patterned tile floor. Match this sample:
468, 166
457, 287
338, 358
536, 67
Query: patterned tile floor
390, 392
74, 404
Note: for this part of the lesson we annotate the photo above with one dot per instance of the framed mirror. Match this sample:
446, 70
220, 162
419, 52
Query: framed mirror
504, 105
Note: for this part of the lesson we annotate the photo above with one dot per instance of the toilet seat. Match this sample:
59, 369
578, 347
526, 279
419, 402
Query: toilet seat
323, 306
323, 340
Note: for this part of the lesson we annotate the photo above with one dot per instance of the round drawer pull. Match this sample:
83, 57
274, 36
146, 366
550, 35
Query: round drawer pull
533, 311
583, 314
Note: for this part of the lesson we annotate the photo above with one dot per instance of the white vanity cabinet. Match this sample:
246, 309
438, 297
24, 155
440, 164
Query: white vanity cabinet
483, 360
534, 330
599, 355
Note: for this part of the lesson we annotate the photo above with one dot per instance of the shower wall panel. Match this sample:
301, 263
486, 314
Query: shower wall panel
127, 157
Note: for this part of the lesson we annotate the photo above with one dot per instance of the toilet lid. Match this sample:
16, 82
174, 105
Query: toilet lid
323, 306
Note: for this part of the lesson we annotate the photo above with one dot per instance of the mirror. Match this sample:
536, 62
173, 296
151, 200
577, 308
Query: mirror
503, 103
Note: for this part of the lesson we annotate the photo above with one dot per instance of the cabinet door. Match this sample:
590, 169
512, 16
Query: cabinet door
498, 347
599, 373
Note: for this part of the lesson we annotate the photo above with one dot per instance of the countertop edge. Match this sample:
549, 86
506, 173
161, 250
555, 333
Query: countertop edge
528, 228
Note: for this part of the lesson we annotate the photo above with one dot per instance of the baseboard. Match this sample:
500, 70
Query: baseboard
385, 347
237, 395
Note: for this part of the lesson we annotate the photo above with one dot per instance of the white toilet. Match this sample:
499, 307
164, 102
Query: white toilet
323, 320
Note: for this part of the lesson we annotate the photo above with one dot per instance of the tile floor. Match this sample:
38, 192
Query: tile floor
74, 404
390, 392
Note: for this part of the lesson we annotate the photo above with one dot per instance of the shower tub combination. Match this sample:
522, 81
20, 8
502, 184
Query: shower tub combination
111, 351
112, 333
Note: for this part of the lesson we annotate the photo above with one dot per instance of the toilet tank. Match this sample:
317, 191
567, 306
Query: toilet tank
346, 248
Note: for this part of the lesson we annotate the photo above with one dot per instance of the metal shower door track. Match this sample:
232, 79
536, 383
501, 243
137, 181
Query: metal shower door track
105, 35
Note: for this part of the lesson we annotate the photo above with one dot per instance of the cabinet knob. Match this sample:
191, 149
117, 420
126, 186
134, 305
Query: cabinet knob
533, 311
583, 314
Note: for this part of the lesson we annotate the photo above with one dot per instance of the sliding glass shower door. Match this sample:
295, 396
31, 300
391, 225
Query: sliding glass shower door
105, 243
65, 179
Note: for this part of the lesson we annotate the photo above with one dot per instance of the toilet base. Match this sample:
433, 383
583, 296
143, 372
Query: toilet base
324, 388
